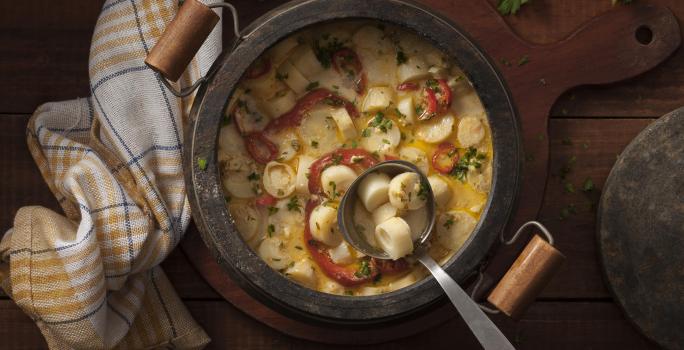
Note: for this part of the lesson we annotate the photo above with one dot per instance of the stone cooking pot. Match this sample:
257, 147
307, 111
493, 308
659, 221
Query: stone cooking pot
206, 193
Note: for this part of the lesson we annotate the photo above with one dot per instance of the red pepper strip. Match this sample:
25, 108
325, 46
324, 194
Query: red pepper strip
347, 62
407, 86
339, 156
294, 117
260, 147
344, 275
265, 200
444, 94
445, 158
391, 157
258, 69
428, 104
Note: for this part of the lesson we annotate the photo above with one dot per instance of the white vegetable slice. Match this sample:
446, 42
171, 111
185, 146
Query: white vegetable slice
272, 251
407, 110
288, 222
403, 191
288, 145
249, 115
281, 103
436, 129
279, 179
372, 38
303, 165
230, 140
363, 223
246, 219
382, 139
331, 287
441, 190
417, 220
302, 271
481, 179
373, 190
380, 69
282, 50
384, 212
323, 225
470, 131
344, 123
394, 237
341, 254
319, 132
377, 98
237, 183
336, 180
453, 228
292, 77
304, 59
265, 86
415, 156
413, 69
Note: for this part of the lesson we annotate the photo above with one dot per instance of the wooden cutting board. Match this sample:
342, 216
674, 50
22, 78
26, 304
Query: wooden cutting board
618, 45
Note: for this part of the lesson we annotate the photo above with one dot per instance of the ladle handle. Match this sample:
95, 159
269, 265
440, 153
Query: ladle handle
486, 332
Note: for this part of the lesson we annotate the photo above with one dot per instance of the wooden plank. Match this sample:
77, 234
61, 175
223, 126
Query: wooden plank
651, 94
547, 325
580, 277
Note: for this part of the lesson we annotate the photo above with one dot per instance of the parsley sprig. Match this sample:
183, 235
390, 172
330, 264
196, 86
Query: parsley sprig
510, 7
471, 158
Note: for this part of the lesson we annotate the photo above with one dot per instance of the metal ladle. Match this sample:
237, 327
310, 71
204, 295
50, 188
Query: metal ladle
486, 332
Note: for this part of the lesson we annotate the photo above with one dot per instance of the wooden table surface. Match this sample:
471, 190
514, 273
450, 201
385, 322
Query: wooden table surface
43, 57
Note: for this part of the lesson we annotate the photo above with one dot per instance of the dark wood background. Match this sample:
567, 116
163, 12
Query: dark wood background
43, 57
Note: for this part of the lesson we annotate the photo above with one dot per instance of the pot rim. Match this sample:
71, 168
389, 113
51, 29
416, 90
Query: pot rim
216, 227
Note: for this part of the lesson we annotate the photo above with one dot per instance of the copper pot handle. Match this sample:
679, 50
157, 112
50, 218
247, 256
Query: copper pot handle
526, 278
181, 40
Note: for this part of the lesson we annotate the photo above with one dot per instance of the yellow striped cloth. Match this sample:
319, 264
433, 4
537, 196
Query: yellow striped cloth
90, 279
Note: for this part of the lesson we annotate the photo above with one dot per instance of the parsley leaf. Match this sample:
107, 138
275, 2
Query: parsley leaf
293, 204
588, 185
364, 270
202, 163
511, 7
470, 159
401, 57
312, 85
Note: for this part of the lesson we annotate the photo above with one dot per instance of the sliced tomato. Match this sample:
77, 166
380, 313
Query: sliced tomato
427, 108
347, 63
408, 86
354, 157
265, 200
445, 157
346, 275
260, 147
294, 117
258, 69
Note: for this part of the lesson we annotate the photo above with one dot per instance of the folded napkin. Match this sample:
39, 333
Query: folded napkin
90, 279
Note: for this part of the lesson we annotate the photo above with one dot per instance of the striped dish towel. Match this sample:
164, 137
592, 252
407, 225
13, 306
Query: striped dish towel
90, 278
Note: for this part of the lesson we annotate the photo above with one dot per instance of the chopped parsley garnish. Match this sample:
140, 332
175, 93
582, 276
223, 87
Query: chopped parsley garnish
569, 187
364, 270
511, 7
567, 210
314, 144
334, 193
401, 115
386, 141
324, 53
272, 210
293, 204
354, 144
380, 122
270, 230
202, 163
366, 132
281, 76
588, 185
523, 60
433, 85
336, 158
401, 57
470, 159
449, 222
253, 177
312, 85
423, 191
357, 159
